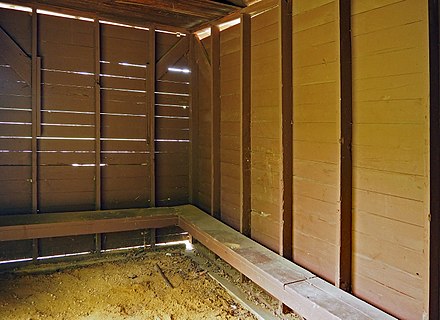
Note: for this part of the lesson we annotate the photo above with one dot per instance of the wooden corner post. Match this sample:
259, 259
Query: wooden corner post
215, 124
344, 254
194, 121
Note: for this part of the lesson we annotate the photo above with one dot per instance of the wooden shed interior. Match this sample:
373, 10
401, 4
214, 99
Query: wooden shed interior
297, 140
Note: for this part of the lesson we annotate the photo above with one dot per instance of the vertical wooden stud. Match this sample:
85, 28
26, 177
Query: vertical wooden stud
343, 276
245, 125
97, 38
36, 121
434, 169
151, 101
97, 116
286, 183
215, 130
35, 109
194, 120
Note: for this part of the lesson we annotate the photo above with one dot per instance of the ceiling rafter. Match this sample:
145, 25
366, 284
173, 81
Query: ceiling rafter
185, 14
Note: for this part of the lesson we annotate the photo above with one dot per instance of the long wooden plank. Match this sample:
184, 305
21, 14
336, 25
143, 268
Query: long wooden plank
97, 38
286, 184
194, 121
15, 57
298, 288
35, 111
434, 157
343, 270
59, 229
36, 119
245, 125
97, 86
150, 103
215, 121
406, 21
121, 14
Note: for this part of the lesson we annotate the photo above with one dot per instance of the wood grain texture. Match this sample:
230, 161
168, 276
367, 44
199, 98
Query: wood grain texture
203, 192
266, 130
245, 125
286, 184
399, 177
18, 24
343, 272
173, 55
230, 63
172, 131
194, 121
97, 86
215, 122
17, 161
15, 56
316, 135
171, 15
293, 285
36, 106
150, 112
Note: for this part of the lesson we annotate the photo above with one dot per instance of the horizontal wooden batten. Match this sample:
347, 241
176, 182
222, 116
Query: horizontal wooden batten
80, 223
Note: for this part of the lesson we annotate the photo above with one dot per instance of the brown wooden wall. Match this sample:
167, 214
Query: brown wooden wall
230, 125
66, 148
390, 84
172, 121
15, 122
316, 138
144, 134
125, 153
15, 130
202, 92
266, 128
390, 87
103, 125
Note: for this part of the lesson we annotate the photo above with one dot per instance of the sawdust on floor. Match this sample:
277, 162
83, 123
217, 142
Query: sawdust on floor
126, 289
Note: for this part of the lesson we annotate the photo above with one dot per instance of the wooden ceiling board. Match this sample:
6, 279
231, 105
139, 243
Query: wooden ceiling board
178, 14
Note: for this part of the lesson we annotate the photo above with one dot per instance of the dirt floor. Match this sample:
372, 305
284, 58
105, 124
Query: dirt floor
121, 289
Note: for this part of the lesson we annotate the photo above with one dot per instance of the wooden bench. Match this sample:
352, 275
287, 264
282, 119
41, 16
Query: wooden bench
299, 289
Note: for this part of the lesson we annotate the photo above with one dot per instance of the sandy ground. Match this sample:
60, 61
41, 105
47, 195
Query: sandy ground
126, 289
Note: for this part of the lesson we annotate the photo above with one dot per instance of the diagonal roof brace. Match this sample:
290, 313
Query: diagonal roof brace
19, 61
